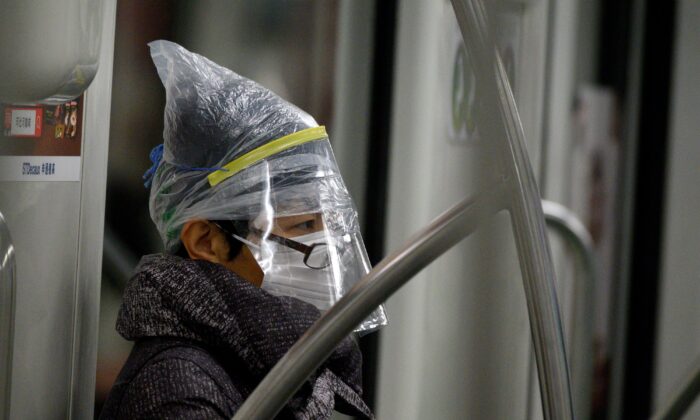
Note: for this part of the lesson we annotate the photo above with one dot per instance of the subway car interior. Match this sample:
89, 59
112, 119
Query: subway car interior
315, 209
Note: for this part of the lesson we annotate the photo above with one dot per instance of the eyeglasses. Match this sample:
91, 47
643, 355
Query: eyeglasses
315, 255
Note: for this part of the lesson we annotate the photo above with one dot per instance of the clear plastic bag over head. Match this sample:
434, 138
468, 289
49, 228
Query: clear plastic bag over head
236, 152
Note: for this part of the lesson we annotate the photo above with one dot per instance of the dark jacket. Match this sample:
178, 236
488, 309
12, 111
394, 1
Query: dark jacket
205, 338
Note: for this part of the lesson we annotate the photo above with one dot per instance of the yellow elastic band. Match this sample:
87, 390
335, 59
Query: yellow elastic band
266, 150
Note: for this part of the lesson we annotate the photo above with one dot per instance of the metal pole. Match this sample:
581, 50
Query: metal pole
564, 222
7, 310
681, 400
498, 120
387, 277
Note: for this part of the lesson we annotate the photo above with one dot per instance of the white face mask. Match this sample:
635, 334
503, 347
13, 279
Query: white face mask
287, 275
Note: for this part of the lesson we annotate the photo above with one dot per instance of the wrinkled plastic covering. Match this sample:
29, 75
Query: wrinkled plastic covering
214, 116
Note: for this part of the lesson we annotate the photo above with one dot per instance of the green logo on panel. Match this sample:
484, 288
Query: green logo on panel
463, 94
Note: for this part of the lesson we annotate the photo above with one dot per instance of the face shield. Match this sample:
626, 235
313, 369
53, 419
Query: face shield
268, 178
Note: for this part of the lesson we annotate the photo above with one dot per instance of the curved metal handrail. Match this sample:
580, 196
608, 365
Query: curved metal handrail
388, 276
682, 398
419, 251
7, 305
498, 120
565, 223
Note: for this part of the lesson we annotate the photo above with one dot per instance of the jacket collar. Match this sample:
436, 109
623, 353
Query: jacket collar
174, 297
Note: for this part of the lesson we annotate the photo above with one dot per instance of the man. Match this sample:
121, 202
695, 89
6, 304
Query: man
261, 235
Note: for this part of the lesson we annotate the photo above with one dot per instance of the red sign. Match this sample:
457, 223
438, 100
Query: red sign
41, 130
23, 122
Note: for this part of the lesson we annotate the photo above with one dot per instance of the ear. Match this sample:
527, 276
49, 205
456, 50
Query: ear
201, 240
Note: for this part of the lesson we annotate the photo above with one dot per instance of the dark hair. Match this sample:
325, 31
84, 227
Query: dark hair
233, 244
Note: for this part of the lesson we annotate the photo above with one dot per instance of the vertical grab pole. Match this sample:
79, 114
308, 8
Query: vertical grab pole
7, 310
499, 122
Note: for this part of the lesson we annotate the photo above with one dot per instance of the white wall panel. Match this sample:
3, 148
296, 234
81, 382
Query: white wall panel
678, 340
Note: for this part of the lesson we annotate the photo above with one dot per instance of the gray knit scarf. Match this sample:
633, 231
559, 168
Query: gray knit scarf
196, 300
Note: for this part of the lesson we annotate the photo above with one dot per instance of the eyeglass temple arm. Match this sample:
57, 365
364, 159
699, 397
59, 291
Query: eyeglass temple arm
290, 243
298, 246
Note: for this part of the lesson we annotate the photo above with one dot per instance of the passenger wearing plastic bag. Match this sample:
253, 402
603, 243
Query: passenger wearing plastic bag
261, 236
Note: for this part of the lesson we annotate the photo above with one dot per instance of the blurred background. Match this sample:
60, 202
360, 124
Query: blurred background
608, 94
